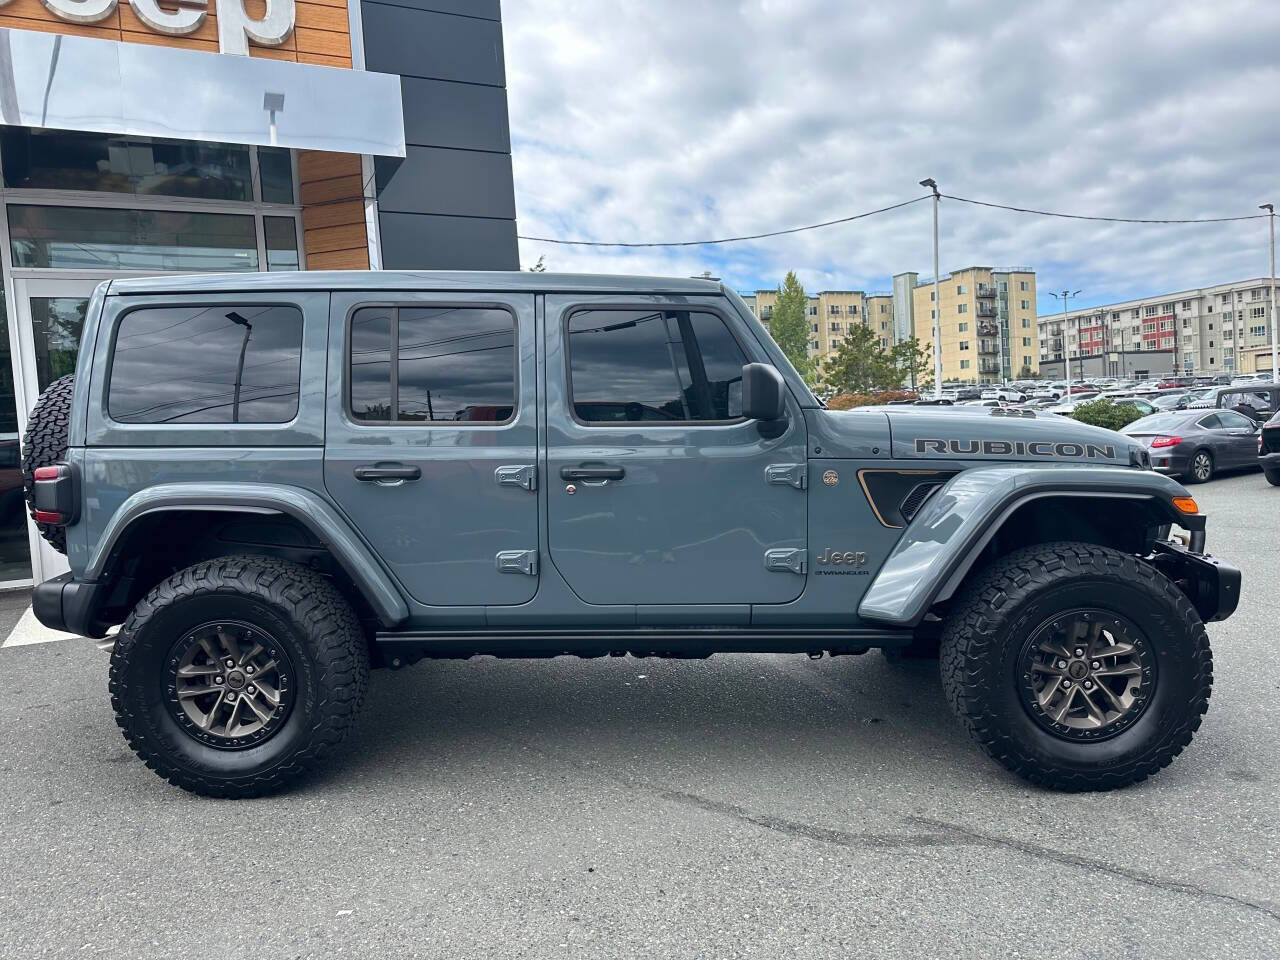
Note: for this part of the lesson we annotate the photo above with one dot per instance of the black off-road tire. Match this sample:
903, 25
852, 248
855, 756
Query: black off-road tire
44, 444
1273, 477
1003, 606
307, 616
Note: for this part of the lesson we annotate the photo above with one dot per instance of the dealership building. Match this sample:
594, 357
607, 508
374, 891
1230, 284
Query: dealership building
147, 136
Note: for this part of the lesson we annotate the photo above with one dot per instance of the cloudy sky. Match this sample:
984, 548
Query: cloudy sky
659, 120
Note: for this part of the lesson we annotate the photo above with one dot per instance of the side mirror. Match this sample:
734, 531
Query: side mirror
763, 392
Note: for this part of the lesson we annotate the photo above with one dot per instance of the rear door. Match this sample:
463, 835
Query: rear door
432, 440
1241, 435
659, 492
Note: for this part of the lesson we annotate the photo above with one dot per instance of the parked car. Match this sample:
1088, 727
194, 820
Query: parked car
1260, 400
1269, 450
1196, 444
1176, 399
333, 471
1173, 383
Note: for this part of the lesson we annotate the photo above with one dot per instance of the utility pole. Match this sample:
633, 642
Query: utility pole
1066, 338
937, 299
1275, 367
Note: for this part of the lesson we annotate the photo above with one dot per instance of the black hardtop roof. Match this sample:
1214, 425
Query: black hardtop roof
411, 280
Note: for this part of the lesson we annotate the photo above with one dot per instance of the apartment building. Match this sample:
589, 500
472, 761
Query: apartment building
1208, 330
831, 313
988, 331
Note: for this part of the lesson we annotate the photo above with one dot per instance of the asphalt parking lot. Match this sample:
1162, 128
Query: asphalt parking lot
744, 806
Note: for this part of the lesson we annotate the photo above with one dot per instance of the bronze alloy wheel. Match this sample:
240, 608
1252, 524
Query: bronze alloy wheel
1086, 675
229, 684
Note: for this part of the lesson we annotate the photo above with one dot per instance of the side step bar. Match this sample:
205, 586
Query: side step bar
404, 647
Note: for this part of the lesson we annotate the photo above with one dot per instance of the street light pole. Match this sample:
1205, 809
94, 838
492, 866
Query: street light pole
1066, 338
937, 300
1275, 314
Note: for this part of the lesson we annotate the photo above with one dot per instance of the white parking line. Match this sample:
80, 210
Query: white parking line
29, 630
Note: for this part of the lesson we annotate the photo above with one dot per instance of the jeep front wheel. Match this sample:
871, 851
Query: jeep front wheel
1077, 666
235, 676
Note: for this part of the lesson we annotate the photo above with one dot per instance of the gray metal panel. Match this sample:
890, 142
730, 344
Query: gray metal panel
484, 9
419, 43
458, 243
465, 116
425, 280
456, 183
64, 82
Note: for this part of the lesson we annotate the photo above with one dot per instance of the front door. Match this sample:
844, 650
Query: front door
432, 440
658, 491
47, 320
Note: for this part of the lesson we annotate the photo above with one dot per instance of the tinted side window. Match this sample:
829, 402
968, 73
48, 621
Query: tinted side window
216, 363
1211, 422
432, 365
1235, 421
655, 365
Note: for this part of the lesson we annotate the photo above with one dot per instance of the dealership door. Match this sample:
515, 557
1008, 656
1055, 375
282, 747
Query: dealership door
45, 326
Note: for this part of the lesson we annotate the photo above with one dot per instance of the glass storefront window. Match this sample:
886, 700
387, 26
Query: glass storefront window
15, 558
56, 325
85, 238
282, 242
64, 160
275, 172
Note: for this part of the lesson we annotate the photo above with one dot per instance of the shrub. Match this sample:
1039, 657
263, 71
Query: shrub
1105, 412
847, 401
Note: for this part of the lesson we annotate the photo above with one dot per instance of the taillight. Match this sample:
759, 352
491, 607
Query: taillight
53, 495
1165, 442
46, 473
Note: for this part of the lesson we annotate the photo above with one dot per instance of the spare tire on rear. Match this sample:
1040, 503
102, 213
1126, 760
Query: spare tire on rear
45, 443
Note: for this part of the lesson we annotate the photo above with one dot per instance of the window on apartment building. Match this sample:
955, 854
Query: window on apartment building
964, 344
813, 311
1211, 361
813, 344
1004, 286
1209, 308
884, 324
1258, 331
1149, 311
961, 288
964, 364
835, 326
884, 308
835, 344
1257, 313
1228, 315
1186, 304
1228, 334
1022, 285
1210, 326
813, 328
963, 327
1255, 293
1226, 298
1166, 308
962, 308
931, 295
1026, 341
1025, 304
1026, 323
933, 314
1228, 352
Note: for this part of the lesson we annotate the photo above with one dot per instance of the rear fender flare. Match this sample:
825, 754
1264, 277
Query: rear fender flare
309, 509
944, 540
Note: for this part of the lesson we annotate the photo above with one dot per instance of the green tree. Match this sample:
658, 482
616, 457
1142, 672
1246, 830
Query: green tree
914, 365
860, 364
789, 324
540, 266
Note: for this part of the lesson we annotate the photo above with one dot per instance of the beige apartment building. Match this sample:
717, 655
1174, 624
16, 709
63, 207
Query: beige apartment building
988, 326
831, 314
1207, 330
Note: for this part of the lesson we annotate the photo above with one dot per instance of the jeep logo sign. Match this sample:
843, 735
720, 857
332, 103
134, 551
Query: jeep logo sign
235, 27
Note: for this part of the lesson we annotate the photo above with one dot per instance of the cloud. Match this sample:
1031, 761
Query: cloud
658, 120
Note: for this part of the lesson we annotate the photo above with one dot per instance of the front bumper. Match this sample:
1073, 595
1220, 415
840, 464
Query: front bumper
1211, 585
70, 605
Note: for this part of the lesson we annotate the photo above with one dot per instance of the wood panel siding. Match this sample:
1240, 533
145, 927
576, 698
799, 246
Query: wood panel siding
333, 225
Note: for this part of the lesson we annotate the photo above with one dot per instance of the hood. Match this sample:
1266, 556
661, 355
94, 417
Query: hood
989, 433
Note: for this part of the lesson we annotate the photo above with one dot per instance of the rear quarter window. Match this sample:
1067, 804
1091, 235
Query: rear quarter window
206, 363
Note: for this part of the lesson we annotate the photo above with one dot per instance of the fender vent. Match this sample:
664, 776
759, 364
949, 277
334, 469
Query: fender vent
914, 500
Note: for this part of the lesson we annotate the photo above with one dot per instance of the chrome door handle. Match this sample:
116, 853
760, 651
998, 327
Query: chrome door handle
388, 471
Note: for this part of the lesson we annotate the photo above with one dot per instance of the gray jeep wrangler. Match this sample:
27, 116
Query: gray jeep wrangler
278, 481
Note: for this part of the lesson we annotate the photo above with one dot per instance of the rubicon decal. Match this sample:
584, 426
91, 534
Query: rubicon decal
1021, 448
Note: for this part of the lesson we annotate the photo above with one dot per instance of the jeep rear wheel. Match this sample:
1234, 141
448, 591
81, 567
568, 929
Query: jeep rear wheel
44, 444
1076, 666
235, 676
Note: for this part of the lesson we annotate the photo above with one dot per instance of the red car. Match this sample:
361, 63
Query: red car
1174, 383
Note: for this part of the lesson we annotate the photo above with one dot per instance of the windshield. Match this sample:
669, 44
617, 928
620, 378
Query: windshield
1156, 423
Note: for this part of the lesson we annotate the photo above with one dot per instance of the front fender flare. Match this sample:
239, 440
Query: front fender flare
942, 542
309, 509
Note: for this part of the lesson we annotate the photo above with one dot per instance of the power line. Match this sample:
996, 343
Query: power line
701, 243
1080, 216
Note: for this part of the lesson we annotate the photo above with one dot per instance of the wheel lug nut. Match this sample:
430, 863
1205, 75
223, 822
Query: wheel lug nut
1079, 652
1096, 665
1062, 664
217, 680
231, 696
251, 689
1066, 684
230, 663
249, 669
1088, 684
